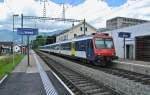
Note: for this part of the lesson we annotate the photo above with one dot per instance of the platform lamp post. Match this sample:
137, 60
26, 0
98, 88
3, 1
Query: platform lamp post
14, 15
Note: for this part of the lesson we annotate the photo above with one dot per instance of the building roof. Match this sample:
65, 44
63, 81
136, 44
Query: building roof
127, 18
6, 43
64, 31
132, 26
67, 30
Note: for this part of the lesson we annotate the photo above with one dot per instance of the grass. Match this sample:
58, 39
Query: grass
6, 64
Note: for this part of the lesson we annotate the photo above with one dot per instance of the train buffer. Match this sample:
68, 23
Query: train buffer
31, 80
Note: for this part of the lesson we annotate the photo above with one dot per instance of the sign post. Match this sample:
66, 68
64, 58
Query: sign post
28, 50
28, 32
124, 35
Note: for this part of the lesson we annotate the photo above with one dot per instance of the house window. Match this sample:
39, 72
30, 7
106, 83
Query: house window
80, 28
85, 28
75, 35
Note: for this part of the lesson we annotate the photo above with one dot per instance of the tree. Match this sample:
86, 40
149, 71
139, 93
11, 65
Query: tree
39, 41
1, 50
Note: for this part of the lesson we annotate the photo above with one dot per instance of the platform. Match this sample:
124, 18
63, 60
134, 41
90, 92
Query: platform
32, 80
141, 67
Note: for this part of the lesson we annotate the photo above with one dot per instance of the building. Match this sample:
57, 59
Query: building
51, 39
120, 22
17, 48
6, 47
137, 46
76, 31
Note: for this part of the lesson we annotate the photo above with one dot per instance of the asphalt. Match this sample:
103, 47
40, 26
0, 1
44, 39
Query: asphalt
22, 84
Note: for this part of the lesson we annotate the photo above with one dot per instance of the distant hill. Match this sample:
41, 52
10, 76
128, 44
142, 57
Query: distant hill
7, 35
50, 33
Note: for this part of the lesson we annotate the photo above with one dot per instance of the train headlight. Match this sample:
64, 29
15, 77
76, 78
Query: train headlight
98, 53
114, 54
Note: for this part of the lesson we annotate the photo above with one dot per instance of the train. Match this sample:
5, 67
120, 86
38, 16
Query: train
96, 49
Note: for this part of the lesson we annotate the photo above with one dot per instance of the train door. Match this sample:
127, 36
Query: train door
73, 49
90, 51
129, 51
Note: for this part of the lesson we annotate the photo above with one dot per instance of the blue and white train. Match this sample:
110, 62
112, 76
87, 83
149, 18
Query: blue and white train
96, 49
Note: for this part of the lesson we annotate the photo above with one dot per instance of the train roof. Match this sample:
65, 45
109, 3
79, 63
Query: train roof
80, 39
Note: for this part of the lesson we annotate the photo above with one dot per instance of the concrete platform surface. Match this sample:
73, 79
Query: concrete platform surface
21, 83
23, 66
141, 67
134, 62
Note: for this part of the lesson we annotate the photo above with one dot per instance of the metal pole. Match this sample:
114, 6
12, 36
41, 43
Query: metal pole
28, 50
124, 46
13, 41
13, 36
84, 26
21, 35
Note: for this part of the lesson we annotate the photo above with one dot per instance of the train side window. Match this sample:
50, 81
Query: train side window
76, 46
69, 46
82, 45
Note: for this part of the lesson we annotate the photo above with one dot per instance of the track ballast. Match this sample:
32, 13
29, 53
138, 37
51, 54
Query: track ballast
78, 83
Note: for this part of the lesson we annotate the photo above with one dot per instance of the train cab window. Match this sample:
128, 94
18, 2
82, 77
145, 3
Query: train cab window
99, 43
109, 43
104, 43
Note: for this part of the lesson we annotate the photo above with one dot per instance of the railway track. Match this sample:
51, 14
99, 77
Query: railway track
79, 84
136, 77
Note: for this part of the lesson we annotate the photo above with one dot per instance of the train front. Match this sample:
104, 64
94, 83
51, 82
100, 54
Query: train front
104, 50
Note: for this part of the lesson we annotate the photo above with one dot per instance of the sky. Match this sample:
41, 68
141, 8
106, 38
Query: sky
71, 2
115, 3
112, 3
1, 1
96, 12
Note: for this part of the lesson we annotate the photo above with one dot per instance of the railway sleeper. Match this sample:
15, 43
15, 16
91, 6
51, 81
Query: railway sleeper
81, 82
84, 85
74, 80
94, 91
89, 87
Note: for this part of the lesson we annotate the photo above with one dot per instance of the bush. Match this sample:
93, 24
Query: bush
6, 65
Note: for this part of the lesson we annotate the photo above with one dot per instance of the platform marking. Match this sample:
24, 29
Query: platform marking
50, 90
1, 81
132, 64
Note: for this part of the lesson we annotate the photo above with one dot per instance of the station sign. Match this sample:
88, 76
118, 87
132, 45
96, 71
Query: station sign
124, 35
27, 31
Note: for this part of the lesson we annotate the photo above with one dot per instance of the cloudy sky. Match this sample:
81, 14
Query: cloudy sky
96, 12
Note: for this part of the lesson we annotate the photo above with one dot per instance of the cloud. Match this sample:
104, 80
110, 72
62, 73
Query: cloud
133, 9
90, 9
96, 12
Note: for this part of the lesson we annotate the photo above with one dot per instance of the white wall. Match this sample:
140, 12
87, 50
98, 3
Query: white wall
76, 30
17, 48
137, 30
